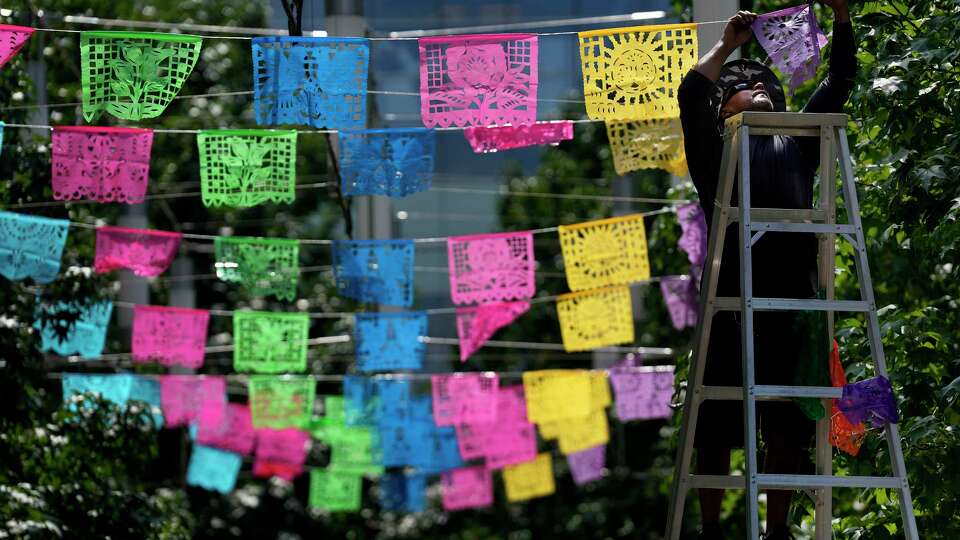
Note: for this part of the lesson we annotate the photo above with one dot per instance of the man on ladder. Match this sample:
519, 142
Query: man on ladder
785, 265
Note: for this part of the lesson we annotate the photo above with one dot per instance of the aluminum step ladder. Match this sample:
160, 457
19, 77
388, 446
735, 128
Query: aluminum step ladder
753, 223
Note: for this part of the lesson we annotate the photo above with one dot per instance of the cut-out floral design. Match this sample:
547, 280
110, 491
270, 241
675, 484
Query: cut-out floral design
103, 164
31, 246
243, 168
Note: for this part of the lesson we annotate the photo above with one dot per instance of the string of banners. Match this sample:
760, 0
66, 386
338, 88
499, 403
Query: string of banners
485, 84
462, 426
492, 283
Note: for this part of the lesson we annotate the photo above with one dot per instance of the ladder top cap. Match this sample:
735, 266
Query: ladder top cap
786, 120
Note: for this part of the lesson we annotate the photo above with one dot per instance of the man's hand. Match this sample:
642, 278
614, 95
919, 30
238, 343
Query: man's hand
737, 32
841, 12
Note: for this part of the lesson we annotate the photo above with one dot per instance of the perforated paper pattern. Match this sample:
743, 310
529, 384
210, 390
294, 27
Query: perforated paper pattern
146, 252
335, 491
393, 162
681, 296
183, 397
793, 39
246, 167
263, 265
311, 81
465, 398
475, 325
390, 341
594, 319
587, 465
529, 480
280, 402
85, 337
647, 144
270, 342
495, 139
491, 267
12, 39
134, 75
556, 394
172, 336
578, 434
478, 80
359, 401
693, 239
375, 271
634, 73
605, 252
31, 246
232, 430
213, 469
103, 164
283, 445
469, 487
642, 396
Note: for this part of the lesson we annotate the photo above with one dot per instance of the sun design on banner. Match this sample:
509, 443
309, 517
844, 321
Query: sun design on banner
605, 252
478, 80
648, 144
246, 167
594, 319
634, 73
134, 75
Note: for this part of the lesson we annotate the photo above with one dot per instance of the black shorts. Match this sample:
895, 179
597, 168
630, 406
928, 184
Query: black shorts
776, 346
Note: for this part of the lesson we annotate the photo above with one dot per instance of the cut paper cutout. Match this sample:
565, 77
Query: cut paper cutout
634, 73
475, 325
491, 267
605, 252
312, 81
682, 299
359, 401
693, 239
31, 246
872, 400
246, 167
134, 75
86, 336
587, 466
375, 271
270, 342
469, 487
12, 39
394, 405
578, 434
478, 80
392, 162
510, 440
494, 139
232, 430
114, 387
356, 451
263, 265
594, 319
148, 391
146, 252
643, 395
465, 398
172, 336
276, 469
281, 402
185, 397
511, 443
403, 492
647, 144
843, 435
103, 164
529, 480
440, 453
213, 469
335, 491
390, 341
793, 39
283, 445
556, 394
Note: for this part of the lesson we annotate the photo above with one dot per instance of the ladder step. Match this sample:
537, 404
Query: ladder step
779, 215
770, 393
732, 303
793, 481
818, 228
